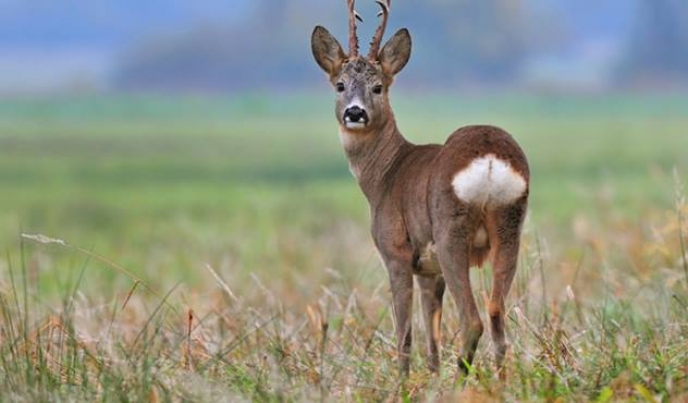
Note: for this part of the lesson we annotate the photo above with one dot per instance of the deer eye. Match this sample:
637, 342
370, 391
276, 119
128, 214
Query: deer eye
377, 89
339, 87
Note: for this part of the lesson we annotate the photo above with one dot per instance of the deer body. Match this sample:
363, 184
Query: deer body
436, 210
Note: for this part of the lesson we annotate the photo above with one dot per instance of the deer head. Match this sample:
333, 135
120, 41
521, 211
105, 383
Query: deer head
362, 84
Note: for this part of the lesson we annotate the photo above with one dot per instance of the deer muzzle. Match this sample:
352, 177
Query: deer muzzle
355, 117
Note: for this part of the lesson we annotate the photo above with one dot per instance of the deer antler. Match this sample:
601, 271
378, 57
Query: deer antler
380, 31
353, 39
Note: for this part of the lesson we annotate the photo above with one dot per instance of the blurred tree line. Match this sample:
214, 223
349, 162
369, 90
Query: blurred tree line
455, 42
657, 51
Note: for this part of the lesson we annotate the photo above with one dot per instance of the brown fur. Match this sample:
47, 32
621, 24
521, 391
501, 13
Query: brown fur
413, 204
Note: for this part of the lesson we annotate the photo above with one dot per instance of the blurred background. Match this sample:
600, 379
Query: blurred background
170, 134
239, 45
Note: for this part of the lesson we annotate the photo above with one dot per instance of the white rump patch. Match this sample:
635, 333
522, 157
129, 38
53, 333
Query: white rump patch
489, 180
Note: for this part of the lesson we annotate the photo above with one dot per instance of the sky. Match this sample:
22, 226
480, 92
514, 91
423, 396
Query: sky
46, 43
104, 23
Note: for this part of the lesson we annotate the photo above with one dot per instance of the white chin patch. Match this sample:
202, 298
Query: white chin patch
354, 125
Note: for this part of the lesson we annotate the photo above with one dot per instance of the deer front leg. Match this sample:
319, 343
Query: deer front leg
453, 255
431, 293
401, 282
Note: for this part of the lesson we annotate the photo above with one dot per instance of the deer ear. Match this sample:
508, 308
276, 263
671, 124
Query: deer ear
396, 52
328, 53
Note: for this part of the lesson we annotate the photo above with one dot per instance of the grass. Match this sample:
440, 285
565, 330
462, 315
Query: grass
216, 249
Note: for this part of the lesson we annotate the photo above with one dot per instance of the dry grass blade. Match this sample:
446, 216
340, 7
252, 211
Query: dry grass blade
129, 294
222, 283
189, 327
40, 238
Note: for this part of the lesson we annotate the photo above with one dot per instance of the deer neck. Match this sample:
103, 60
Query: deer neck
373, 157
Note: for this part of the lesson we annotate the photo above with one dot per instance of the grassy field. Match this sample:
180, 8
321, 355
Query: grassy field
216, 249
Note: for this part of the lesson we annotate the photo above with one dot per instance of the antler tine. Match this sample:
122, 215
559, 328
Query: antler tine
380, 31
353, 38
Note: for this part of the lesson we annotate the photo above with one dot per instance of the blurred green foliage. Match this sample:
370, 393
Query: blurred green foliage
123, 174
147, 192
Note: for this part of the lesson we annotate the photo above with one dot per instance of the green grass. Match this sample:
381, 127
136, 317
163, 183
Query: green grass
148, 192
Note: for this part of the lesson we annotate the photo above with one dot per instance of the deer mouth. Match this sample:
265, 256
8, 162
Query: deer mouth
355, 125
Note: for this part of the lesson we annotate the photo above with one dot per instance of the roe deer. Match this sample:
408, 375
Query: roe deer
436, 210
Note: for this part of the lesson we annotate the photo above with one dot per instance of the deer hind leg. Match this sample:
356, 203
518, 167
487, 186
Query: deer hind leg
453, 254
507, 230
431, 293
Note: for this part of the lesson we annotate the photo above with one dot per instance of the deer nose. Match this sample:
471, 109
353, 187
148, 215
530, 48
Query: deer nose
355, 114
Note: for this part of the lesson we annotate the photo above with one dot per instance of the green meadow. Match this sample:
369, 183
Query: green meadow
199, 248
